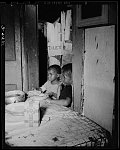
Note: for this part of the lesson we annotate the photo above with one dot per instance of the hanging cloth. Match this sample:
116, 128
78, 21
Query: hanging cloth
63, 25
50, 32
67, 25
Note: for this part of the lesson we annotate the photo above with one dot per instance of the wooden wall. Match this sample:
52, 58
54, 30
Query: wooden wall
31, 45
78, 49
7, 18
11, 19
99, 73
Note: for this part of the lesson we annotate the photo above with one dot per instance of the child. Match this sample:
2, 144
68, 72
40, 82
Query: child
52, 85
65, 97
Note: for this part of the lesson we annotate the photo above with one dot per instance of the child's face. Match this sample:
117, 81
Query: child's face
52, 75
66, 78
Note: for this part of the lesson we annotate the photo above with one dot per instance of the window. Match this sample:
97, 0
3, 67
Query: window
92, 14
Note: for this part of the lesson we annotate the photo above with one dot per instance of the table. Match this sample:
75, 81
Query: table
60, 126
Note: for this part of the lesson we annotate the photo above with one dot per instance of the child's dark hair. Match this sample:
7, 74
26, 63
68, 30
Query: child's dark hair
67, 68
56, 68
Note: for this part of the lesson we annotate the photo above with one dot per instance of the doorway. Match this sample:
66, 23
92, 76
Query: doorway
46, 13
43, 61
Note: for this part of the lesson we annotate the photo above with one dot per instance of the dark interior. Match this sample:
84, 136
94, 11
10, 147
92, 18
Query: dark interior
50, 13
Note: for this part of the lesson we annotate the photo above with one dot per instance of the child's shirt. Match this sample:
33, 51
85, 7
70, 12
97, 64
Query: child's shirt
66, 91
48, 87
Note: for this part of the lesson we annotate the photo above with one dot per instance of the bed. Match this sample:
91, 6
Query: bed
59, 126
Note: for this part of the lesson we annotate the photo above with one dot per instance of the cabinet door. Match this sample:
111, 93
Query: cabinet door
99, 73
12, 48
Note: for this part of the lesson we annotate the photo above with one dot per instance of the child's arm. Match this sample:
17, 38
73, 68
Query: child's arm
64, 102
65, 98
39, 89
43, 88
52, 95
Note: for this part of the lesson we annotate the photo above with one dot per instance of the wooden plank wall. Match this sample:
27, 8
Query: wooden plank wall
18, 48
7, 19
13, 75
78, 48
24, 53
99, 73
31, 46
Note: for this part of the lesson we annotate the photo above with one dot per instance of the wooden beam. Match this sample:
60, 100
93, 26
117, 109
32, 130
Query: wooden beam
18, 48
78, 48
31, 45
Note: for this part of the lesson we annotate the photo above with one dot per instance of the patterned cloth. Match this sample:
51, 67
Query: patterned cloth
59, 126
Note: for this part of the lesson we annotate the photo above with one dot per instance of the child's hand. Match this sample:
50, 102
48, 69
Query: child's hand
33, 88
52, 94
39, 89
48, 100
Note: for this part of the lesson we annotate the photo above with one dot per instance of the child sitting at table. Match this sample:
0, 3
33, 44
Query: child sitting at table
65, 97
51, 87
